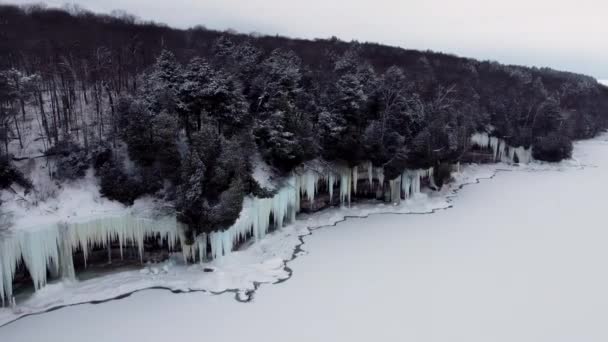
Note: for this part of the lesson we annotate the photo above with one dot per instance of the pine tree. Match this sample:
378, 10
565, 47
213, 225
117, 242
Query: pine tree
161, 84
341, 133
193, 93
283, 130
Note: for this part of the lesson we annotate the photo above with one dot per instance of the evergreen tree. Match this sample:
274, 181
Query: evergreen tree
283, 131
161, 85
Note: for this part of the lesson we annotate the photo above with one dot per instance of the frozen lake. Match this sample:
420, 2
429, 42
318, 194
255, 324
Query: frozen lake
520, 257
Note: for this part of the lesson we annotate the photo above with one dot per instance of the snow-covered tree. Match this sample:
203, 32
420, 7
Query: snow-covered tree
226, 103
547, 119
350, 111
278, 82
193, 92
286, 139
161, 84
283, 129
238, 59
211, 93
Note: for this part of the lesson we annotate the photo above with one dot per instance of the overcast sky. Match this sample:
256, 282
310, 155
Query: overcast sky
563, 34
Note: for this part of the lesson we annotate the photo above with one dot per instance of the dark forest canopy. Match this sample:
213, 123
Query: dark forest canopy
189, 108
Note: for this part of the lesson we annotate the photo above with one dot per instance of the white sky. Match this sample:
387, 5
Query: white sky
563, 34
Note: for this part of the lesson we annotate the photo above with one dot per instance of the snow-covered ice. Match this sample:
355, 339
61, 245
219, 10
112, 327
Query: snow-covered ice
506, 263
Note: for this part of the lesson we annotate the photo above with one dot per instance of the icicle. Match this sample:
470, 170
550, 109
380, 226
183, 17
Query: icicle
202, 247
53, 247
416, 182
308, 184
480, 139
430, 175
331, 181
406, 183
524, 156
255, 217
10, 253
500, 150
380, 173
345, 185
380, 188
39, 249
66, 262
370, 175
395, 186
355, 178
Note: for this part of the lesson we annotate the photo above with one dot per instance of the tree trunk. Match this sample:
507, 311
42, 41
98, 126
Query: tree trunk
17, 129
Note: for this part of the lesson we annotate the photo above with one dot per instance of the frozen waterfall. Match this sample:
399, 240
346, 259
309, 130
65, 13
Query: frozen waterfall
501, 150
52, 247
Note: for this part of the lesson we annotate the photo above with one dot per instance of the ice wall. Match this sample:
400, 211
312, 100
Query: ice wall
406, 185
255, 218
501, 150
51, 247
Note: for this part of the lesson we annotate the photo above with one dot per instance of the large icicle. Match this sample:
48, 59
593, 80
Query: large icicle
395, 186
307, 182
370, 175
51, 247
411, 181
355, 178
501, 150
406, 184
331, 182
345, 185
380, 176
255, 217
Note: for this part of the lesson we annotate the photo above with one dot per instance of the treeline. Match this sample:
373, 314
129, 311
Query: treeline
181, 113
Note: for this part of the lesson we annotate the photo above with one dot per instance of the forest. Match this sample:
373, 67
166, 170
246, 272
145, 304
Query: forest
183, 114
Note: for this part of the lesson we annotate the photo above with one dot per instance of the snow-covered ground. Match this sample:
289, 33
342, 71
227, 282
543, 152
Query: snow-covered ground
605, 82
518, 258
